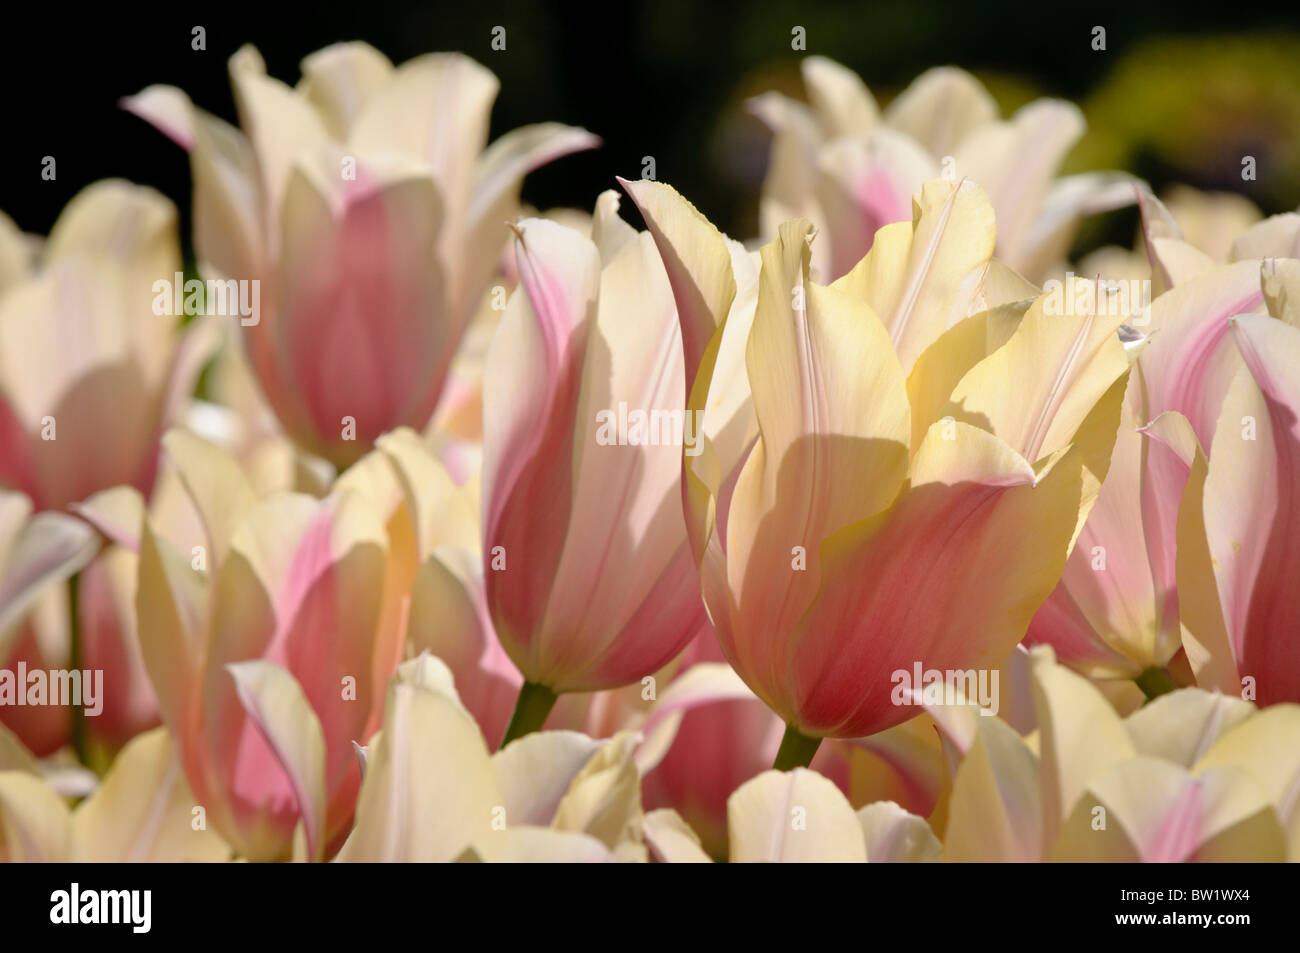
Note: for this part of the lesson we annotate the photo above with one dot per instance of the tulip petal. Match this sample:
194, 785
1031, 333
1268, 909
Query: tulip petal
721, 394
898, 587
864, 185
14, 757
133, 230
280, 126
110, 643
1260, 746
227, 224
704, 683
924, 278
671, 841
502, 166
434, 106
1205, 634
1115, 612
449, 617
142, 811
1155, 812
171, 612
498, 176
167, 109
1211, 220
276, 704
1280, 283
442, 512
627, 487
904, 764
793, 817
1189, 363
791, 166
1016, 161
1081, 737
1177, 262
50, 548
1063, 362
941, 108
535, 772
61, 370
896, 837
230, 236
1261, 478
302, 588
697, 260
1068, 201
604, 799
608, 230
1275, 237
943, 364
216, 484
1003, 285
430, 789
117, 513
35, 826
16, 254
995, 813
832, 408
1182, 726
530, 402
363, 254
843, 105
339, 81
538, 845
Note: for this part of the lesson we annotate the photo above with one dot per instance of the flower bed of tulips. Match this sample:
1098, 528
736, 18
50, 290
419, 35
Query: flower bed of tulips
410, 524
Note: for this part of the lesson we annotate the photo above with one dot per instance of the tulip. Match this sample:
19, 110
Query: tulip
448, 614
725, 737
1222, 227
1193, 776
311, 588
1212, 221
456, 430
1190, 234
142, 811
433, 793
1116, 611
38, 553
889, 511
799, 817
109, 644
106, 589
851, 169
365, 205
588, 576
75, 422
1238, 545
90, 373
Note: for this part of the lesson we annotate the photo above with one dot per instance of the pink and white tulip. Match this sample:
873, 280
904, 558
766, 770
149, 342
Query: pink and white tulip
269, 639
90, 373
851, 169
365, 203
888, 510
588, 576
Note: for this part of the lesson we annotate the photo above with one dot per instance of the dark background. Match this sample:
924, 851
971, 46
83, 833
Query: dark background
1182, 91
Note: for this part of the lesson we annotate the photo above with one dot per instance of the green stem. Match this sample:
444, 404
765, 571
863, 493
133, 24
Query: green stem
796, 750
80, 741
1155, 682
535, 703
